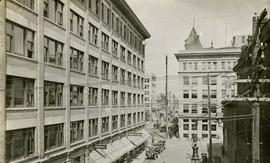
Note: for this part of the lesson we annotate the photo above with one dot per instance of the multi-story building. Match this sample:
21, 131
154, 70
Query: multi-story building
239, 40
194, 66
74, 79
150, 96
246, 137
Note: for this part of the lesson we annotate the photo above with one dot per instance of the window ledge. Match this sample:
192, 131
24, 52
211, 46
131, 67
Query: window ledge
28, 9
93, 106
77, 107
79, 37
53, 150
22, 57
54, 107
92, 75
114, 106
105, 79
105, 134
54, 23
115, 56
93, 13
93, 137
23, 159
77, 71
78, 142
21, 108
54, 65
105, 106
94, 45
106, 51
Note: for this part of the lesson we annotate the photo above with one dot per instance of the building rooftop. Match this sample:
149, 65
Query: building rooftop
128, 12
193, 41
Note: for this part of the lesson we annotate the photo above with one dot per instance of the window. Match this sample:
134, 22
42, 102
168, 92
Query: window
134, 118
105, 41
123, 54
114, 73
229, 65
19, 40
184, 66
186, 94
105, 70
76, 131
93, 96
93, 34
213, 108
93, 65
129, 119
115, 22
186, 126
223, 93
194, 126
205, 127
213, 80
28, 3
53, 10
194, 94
123, 76
105, 125
185, 135
134, 60
232, 93
204, 80
94, 6
194, 108
204, 94
186, 80
105, 14
53, 51
129, 99
204, 66
213, 93
190, 67
185, 120
53, 136
138, 63
53, 94
114, 97
76, 95
204, 135
114, 48
122, 120
138, 99
134, 99
20, 143
76, 60
76, 23
224, 80
195, 65
186, 108
209, 65
194, 80
114, 122
142, 115
223, 66
215, 65
129, 78
204, 121
93, 127
123, 98
78, 158
204, 108
129, 57
19, 92
105, 96
138, 117
214, 127
138, 82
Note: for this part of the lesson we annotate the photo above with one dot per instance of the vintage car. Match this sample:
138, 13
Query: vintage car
151, 152
160, 146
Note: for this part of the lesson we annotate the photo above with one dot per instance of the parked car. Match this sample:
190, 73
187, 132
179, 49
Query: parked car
151, 152
162, 144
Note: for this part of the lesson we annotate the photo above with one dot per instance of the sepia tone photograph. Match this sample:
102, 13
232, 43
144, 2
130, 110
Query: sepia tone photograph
134, 81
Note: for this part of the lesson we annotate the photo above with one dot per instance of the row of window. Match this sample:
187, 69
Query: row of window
225, 80
20, 41
20, 92
203, 135
193, 108
222, 65
193, 94
204, 127
53, 10
21, 143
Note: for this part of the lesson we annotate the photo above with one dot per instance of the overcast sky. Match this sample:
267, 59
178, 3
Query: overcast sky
170, 21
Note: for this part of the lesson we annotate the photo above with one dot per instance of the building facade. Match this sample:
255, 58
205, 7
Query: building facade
194, 67
239, 40
74, 80
150, 96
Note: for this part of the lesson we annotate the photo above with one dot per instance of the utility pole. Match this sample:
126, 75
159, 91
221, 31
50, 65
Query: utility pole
2, 81
209, 120
166, 97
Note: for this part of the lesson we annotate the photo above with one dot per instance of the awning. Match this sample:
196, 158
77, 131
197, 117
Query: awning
113, 151
97, 156
138, 140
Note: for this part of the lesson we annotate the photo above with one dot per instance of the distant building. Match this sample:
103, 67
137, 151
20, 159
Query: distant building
239, 40
150, 96
194, 66
193, 41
